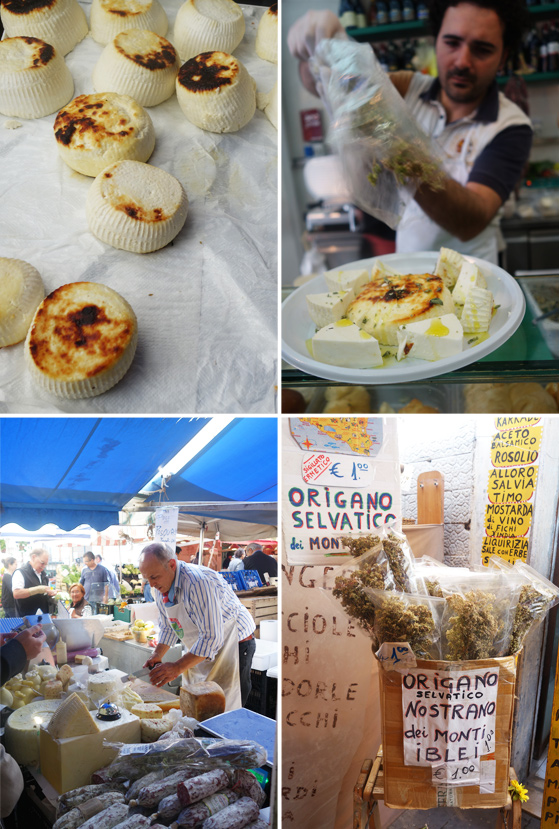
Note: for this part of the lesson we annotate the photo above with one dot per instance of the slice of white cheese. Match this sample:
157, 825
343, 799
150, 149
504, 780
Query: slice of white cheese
208, 26
448, 266
380, 269
469, 276
21, 292
340, 280
327, 308
478, 307
72, 719
344, 344
431, 339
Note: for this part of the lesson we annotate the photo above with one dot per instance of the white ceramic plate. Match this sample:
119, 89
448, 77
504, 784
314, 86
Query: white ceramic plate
297, 326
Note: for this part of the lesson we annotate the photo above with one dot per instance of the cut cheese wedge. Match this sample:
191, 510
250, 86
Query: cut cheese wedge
340, 280
344, 344
72, 719
82, 340
34, 79
448, 266
136, 207
469, 276
95, 130
61, 23
216, 93
478, 307
208, 26
431, 339
140, 64
267, 35
380, 270
21, 291
327, 308
110, 17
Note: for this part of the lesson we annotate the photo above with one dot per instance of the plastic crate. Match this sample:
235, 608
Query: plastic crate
248, 578
263, 694
230, 579
121, 615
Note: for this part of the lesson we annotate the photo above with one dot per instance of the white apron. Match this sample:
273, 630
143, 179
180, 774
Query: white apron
417, 232
224, 669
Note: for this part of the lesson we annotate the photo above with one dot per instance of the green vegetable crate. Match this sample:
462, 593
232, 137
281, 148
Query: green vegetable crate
121, 615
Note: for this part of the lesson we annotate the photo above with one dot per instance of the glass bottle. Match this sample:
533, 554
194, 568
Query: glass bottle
361, 18
347, 15
395, 11
382, 12
408, 10
422, 11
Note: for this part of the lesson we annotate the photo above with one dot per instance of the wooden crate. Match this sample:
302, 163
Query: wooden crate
410, 787
264, 607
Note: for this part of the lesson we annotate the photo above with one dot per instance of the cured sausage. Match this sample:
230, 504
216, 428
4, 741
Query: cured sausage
195, 789
83, 811
169, 808
107, 818
236, 816
193, 815
155, 792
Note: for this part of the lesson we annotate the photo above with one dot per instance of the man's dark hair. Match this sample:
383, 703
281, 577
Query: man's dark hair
513, 13
88, 556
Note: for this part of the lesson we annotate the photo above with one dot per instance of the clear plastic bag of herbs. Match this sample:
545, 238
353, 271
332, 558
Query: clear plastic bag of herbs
436, 573
536, 596
402, 617
478, 616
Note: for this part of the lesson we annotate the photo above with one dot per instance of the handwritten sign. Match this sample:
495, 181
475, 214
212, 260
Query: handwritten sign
457, 774
550, 804
396, 654
166, 523
449, 716
337, 470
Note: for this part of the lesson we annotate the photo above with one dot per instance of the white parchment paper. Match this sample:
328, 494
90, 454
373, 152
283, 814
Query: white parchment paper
207, 303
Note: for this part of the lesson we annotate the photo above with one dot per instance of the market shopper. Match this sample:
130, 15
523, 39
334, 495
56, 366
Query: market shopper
198, 607
257, 559
79, 603
485, 139
96, 581
236, 562
113, 576
8, 601
30, 585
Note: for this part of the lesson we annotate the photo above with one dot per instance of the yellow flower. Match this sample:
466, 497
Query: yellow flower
518, 792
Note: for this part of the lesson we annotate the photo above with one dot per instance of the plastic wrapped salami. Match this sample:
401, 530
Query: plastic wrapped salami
195, 789
384, 153
402, 617
236, 816
194, 815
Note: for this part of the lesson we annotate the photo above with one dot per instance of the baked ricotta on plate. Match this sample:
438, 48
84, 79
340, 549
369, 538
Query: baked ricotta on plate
81, 341
34, 78
267, 35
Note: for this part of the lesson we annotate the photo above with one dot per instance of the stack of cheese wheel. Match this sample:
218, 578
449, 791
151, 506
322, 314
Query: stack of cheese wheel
110, 17
216, 93
34, 79
21, 289
208, 25
60, 23
140, 64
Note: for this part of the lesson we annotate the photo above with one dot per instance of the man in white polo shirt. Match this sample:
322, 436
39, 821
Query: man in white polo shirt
485, 138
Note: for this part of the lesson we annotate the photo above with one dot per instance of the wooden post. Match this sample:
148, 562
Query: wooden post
550, 804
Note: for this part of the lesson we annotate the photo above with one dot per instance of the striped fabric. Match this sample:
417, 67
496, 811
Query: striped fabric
209, 601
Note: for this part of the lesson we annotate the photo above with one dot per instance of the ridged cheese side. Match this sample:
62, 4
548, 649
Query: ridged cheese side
267, 35
34, 78
140, 64
268, 103
216, 93
136, 207
208, 26
109, 17
62, 23
21, 292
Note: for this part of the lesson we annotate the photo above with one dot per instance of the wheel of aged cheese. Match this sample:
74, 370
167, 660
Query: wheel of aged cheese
216, 93
61, 23
136, 207
34, 78
208, 26
82, 340
140, 64
110, 17
22, 730
21, 289
267, 35
95, 130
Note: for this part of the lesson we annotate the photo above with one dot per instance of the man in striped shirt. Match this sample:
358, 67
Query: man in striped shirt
198, 607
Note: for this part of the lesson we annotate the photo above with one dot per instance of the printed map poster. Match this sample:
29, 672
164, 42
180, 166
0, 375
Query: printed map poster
341, 476
513, 464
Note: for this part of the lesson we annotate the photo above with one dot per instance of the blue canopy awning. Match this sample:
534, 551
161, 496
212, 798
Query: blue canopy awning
71, 471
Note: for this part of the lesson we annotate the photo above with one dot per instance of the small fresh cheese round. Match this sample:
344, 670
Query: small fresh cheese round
34, 79
82, 340
216, 93
208, 25
267, 35
110, 17
62, 23
140, 64
21, 291
136, 207
95, 130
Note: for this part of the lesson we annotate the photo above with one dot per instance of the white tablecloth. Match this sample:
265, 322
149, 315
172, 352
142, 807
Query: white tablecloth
207, 303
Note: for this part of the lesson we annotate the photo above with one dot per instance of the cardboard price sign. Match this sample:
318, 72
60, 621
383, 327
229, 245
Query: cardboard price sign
550, 804
166, 523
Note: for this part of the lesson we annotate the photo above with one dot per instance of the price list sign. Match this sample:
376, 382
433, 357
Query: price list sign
550, 805
166, 524
513, 475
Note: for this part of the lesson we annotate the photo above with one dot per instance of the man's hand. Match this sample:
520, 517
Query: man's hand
50, 592
163, 673
32, 640
309, 30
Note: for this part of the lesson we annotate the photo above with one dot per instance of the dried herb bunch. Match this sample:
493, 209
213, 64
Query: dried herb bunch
531, 605
474, 627
360, 544
398, 564
434, 588
348, 589
400, 621
407, 161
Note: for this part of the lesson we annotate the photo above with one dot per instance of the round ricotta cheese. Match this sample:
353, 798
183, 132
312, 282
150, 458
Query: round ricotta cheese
95, 130
208, 26
21, 290
61, 23
136, 207
216, 93
34, 79
140, 64
267, 35
110, 17
82, 340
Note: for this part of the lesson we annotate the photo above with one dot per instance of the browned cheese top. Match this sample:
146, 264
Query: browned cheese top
26, 6
89, 120
399, 298
208, 71
160, 54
